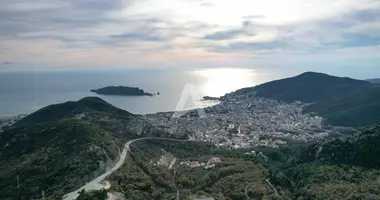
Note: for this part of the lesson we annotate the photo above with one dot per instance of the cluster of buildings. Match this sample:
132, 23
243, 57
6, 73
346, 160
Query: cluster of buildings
245, 121
210, 163
5, 122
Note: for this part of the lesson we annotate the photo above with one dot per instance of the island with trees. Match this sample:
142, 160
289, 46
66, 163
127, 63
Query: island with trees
122, 91
209, 98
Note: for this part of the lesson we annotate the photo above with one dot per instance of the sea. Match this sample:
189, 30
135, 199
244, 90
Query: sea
180, 89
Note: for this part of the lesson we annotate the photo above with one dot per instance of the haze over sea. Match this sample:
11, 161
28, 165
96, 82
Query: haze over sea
26, 92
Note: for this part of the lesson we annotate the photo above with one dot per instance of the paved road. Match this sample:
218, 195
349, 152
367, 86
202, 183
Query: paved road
94, 183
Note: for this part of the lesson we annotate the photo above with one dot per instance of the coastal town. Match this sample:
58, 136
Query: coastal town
244, 121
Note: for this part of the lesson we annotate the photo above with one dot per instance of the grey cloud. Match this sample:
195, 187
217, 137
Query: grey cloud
253, 46
98, 5
7, 63
348, 30
223, 35
230, 34
137, 36
71, 15
71, 24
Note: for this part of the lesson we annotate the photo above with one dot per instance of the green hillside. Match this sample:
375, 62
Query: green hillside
357, 110
339, 169
308, 87
61, 147
73, 108
361, 150
54, 157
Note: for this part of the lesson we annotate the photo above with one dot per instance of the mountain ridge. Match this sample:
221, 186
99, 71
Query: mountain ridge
341, 101
70, 109
308, 87
60, 147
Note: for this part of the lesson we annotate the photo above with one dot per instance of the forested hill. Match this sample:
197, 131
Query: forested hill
73, 108
359, 150
357, 110
61, 147
340, 101
308, 87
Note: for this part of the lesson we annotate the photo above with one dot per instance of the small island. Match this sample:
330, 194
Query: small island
208, 98
121, 91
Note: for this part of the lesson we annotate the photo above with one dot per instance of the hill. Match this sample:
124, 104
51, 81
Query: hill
341, 101
376, 80
339, 169
356, 110
61, 147
359, 150
70, 109
308, 87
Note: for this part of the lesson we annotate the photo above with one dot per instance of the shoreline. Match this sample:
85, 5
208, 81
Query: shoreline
203, 104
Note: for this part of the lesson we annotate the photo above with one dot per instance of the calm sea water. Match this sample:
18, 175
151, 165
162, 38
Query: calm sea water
26, 92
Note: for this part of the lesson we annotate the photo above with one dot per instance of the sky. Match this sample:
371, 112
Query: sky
340, 36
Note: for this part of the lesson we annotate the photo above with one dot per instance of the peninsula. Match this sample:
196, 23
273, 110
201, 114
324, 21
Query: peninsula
122, 91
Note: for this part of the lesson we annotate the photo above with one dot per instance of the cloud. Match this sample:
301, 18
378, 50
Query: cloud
125, 31
137, 36
223, 35
246, 29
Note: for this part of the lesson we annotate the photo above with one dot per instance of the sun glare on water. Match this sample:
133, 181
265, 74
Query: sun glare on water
218, 82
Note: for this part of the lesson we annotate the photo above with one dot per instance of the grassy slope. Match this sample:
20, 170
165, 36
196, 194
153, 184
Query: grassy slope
60, 147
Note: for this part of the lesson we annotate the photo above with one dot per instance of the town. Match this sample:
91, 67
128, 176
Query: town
244, 121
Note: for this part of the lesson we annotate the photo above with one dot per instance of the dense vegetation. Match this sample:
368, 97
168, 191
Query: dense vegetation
53, 157
235, 178
60, 147
341, 169
357, 110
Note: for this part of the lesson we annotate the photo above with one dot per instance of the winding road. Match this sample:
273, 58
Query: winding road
96, 182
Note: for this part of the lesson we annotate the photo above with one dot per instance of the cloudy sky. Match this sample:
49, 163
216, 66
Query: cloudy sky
306, 34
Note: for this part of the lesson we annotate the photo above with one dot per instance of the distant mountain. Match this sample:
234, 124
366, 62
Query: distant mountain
7, 63
308, 87
122, 91
61, 147
341, 101
376, 80
71, 109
